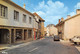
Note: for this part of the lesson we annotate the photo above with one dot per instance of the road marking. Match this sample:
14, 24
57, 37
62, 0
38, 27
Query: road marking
4, 52
33, 49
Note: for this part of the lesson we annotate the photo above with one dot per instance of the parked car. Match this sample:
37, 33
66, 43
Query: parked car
75, 40
56, 38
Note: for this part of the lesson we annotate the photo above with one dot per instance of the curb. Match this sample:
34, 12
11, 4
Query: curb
3, 48
20, 45
78, 48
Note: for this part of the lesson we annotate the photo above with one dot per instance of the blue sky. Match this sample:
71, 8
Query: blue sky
51, 10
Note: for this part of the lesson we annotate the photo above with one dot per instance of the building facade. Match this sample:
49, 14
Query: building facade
51, 30
60, 27
70, 27
16, 23
40, 22
45, 31
36, 21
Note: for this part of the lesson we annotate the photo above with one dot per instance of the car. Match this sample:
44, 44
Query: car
56, 38
75, 40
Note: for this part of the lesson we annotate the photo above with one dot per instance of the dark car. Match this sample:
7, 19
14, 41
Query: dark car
56, 38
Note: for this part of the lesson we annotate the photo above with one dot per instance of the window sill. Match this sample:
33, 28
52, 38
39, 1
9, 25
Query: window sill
16, 20
3, 17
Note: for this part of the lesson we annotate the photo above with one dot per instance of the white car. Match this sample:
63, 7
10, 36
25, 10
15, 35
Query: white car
75, 40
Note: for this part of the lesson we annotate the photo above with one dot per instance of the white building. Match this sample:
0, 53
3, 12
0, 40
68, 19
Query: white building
16, 23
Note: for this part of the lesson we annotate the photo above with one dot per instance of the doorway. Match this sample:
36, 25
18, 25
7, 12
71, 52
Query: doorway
4, 36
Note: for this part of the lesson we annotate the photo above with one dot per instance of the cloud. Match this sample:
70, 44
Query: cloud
72, 13
77, 6
41, 13
51, 11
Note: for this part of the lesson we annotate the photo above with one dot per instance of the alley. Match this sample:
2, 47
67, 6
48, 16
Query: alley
45, 46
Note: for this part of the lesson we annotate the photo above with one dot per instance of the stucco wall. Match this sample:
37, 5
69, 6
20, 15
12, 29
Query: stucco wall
35, 24
47, 31
42, 28
55, 31
10, 19
61, 29
72, 27
52, 30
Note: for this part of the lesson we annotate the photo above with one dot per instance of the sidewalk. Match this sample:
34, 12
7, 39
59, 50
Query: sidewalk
64, 41
16, 45
9, 46
78, 47
4, 46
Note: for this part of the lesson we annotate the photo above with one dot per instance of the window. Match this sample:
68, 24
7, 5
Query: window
16, 15
24, 18
30, 20
3, 11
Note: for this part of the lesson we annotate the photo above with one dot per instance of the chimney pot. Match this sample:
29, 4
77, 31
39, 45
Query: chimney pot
68, 16
62, 19
78, 11
24, 6
59, 20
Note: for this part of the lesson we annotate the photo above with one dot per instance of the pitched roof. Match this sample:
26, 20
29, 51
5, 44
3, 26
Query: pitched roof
17, 6
72, 17
67, 19
50, 25
38, 16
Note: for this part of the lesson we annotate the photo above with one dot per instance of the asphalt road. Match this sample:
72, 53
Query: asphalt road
45, 46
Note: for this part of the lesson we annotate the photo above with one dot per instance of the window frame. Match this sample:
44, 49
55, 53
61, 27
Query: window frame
16, 15
3, 11
30, 20
24, 18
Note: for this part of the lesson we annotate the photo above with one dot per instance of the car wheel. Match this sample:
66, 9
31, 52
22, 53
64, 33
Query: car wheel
75, 43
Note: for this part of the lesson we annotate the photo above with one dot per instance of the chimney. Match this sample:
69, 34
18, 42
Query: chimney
78, 11
24, 6
62, 19
68, 16
59, 20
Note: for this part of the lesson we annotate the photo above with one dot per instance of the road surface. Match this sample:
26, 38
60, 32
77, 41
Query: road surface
45, 46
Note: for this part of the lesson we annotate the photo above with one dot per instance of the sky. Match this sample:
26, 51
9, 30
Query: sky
51, 10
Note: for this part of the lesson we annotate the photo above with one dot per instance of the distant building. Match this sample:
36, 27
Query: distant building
45, 31
70, 27
51, 30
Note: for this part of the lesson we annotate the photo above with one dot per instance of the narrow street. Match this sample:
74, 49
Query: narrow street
45, 46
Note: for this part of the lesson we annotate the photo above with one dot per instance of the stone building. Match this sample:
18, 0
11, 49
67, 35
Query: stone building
36, 27
40, 26
69, 27
45, 31
51, 30
16, 23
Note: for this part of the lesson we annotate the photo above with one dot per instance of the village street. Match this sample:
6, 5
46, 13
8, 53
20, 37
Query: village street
45, 46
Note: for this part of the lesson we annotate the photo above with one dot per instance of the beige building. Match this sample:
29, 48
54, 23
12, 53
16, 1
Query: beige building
36, 21
40, 26
16, 23
51, 30
45, 31
69, 27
